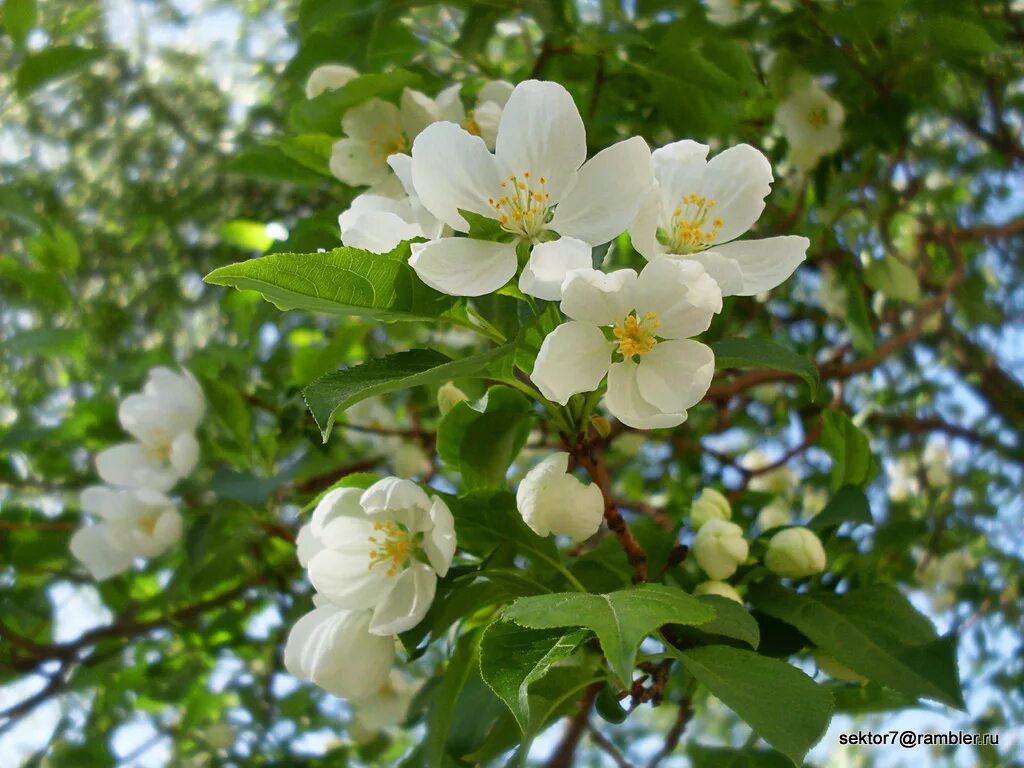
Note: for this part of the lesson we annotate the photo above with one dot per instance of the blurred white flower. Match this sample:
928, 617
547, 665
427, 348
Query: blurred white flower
329, 77
778, 480
484, 118
903, 481
720, 548
380, 549
552, 501
655, 371
535, 185
129, 523
719, 588
728, 12
812, 121
699, 208
936, 458
386, 707
405, 457
333, 648
795, 553
709, 505
776, 514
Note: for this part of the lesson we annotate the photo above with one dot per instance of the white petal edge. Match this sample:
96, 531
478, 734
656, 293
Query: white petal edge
460, 266
573, 358
550, 263
766, 263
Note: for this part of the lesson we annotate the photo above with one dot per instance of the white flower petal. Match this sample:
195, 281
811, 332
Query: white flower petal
608, 192
724, 271
625, 402
375, 122
355, 163
495, 92
679, 169
449, 104
487, 117
766, 263
418, 111
184, 454
392, 494
342, 571
549, 264
573, 358
407, 602
676, 374
541, 132
681, 293
378, 224
643, 232
337, 502
452, 170
552, 501
328, 77
131, 466
598, 298
738, 179
460, 266
401, 164
92, 547
440, 542
306, 545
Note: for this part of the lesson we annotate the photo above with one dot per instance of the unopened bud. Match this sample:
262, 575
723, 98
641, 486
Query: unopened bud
795, 553
719, 588
720, 548
709, 505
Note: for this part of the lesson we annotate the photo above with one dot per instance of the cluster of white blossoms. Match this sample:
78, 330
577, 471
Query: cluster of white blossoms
720, 547
373, 557
812, 122
132, 515
549, 207
905, 474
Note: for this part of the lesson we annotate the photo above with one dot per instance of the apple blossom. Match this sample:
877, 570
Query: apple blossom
384, 708
655, 371
552, 501
130, 523
329, 77
381, 549
775, 515
698, 209
811, 121
333, 648
484, 118
709, 505
795, 553
720, 548
903, 481
935, 460
162, 419
535, 186
719, 588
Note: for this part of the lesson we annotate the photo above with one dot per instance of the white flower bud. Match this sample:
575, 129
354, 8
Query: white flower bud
554, 502
775, 515
936, 464
709, 505
328, 77
719, 588
720, 548
795, 553
448, 396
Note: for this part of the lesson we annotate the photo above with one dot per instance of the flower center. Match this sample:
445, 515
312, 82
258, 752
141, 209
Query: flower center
636, 334
817, 118
523, 209
690, 230
383, 149
471, 125
394, 547
159, 452
147, 523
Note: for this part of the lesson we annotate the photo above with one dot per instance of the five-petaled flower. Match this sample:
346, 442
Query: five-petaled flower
700, 207
636, 329
812, 122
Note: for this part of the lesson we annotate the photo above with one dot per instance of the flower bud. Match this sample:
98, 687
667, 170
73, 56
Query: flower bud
448, 396
795, 553
710, 505
775, 515
720, 548
719, 588
552, 501
601, 425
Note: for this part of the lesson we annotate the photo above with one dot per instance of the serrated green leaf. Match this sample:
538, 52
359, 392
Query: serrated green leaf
512, 658
619, 619
795, 715
763, 353
332, 393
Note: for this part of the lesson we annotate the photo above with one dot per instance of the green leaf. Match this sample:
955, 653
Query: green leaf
848, 505
19, 18
323, 114
893, 278
875, 632
249, 235
345, 281
858, 315
485, 520
511, 658
481, 441
619, 619
717, 757
442, 712
332, 393
50, 64
311, 150
271, 163
852, 463
762, 353
783, 705
731, 620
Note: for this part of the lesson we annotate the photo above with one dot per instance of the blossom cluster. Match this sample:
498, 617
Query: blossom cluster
132, 515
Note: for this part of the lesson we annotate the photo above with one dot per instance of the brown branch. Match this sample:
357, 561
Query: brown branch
564, 754
607, 747
675, 733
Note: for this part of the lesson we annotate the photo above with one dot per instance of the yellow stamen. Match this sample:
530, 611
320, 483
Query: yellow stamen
690, 231
818, 118
522, 212
394, 549
636, 334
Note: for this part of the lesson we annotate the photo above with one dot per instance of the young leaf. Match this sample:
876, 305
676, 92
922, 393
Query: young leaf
619, 619
875, 632
852, 463
512, 658
762, 353
482, 441
792, 718
849, 504
332, 393
345, 281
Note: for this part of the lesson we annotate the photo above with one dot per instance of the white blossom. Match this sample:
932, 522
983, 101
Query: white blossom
903, 481
162, 418
780, 479
386, 707
535, 186
130, 523
812, 121
329, 77
380, 549
775, 515
936, 458
728, 12
720, 548
709, 505
552, 501
333, 648
795, 553
699, 208
655, 371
